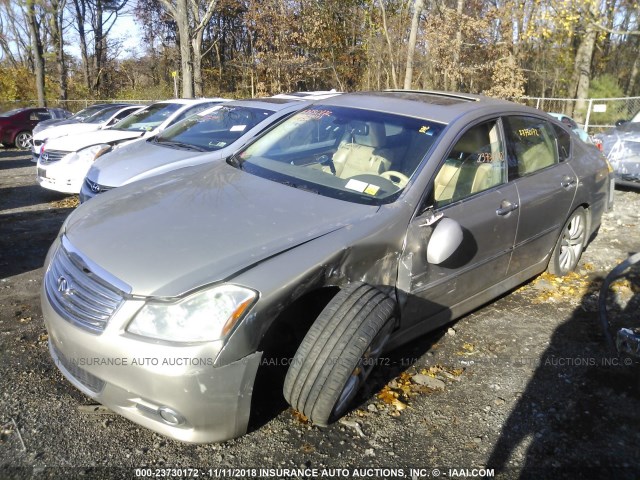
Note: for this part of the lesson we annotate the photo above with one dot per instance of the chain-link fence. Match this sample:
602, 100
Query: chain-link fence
593, 114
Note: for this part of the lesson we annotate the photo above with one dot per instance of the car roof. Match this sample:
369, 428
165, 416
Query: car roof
442, 107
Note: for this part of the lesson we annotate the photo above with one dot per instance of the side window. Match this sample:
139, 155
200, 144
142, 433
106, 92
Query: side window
564, 143
123, 114
532, 145
474, 164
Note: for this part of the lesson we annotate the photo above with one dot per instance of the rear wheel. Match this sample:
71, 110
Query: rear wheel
568, 249
23, 140
339, 352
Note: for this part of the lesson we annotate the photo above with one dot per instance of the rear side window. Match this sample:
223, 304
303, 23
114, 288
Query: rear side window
532, 145
564, 143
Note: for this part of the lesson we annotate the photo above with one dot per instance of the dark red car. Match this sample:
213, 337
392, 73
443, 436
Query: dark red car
16, 125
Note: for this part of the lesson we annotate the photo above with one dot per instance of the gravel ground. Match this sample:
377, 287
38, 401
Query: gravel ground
523, 386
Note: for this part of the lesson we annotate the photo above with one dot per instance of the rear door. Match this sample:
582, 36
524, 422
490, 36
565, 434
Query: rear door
470, 188
546, 186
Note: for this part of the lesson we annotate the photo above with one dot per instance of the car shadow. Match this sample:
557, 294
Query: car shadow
15, 159
26, 237
580, 400
27, 196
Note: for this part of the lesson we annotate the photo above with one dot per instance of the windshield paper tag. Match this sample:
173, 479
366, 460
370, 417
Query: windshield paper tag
238, 128
372, 189
362, 187
356, 185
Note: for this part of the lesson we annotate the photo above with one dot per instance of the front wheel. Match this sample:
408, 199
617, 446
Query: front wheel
566, 254
339, 352
23, 140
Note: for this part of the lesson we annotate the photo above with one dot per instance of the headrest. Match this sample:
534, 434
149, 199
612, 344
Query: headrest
473, 141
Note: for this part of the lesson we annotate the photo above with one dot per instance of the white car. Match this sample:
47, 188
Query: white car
103, 118
64, 161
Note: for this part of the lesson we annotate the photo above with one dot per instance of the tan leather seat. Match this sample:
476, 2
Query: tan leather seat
535, 158
448, 184
362, 152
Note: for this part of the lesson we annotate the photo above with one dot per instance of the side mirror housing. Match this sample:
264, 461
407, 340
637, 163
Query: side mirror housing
620, 122
445, 240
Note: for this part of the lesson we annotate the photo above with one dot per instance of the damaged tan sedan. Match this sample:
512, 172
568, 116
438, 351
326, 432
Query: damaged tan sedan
349, 228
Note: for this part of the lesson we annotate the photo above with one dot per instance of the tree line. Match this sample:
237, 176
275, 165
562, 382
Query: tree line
503, 48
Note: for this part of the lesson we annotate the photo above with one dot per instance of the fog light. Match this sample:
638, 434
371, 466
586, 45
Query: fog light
170, 416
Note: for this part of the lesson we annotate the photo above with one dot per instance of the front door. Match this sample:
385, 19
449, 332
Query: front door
471, 189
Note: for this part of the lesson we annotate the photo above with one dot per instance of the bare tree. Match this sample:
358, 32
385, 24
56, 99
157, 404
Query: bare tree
411, 48
57, 27
37, 50
179, 11
201, 18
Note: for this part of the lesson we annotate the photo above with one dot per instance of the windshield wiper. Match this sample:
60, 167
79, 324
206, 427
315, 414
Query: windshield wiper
300, 186
180, 145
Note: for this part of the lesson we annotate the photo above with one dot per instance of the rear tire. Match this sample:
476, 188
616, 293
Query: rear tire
569, 247
339, 352
23, 140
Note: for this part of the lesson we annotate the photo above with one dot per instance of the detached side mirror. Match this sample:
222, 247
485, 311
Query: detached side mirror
445, 240
620, 122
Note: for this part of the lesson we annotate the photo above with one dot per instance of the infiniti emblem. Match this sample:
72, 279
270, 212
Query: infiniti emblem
63, 286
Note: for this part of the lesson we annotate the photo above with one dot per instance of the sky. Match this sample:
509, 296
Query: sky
124, 29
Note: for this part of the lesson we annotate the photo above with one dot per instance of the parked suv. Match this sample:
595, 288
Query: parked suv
349, 228
16, 126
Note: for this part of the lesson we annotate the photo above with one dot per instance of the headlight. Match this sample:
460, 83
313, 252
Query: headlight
204, 316
90, 154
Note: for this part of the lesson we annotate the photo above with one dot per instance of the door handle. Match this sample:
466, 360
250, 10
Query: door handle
506, 207
568, 181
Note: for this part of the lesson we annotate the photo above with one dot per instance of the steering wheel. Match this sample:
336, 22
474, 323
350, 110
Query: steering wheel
399, 178
327, 161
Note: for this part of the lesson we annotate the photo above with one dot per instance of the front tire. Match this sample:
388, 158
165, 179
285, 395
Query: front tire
569, 247
23, 140
339, 352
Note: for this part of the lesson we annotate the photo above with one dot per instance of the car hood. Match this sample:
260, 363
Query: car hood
139, 160
78, 141
67, 129
173, 233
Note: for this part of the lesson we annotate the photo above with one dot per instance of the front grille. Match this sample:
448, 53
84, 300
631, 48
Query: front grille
78, 294
96, 187
87, 379
50, 156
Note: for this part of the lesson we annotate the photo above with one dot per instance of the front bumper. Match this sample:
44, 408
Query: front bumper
172, 389
60, 178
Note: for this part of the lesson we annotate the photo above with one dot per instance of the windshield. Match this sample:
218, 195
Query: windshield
356, 155
11, 112
101, 115
148, 118
213, 129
